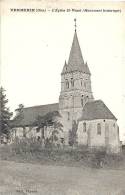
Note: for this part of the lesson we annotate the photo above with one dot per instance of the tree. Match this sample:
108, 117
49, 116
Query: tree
18, 120
50, 119
20, 107
19, 116
5, 114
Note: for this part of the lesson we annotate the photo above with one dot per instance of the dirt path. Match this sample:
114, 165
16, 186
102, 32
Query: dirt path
22, 179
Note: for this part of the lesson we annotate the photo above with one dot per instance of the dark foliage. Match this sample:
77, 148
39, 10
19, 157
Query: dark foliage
48, 120
31, 150
5, 114
19, 115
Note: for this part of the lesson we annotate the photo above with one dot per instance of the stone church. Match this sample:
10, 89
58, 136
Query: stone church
97, 126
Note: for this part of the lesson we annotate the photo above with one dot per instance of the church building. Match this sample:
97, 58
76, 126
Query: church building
96, 125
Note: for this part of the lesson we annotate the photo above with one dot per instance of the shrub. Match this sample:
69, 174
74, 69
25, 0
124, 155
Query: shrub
32, 150
26, 145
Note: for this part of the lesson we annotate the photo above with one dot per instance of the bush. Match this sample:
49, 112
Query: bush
32, 150
26, 146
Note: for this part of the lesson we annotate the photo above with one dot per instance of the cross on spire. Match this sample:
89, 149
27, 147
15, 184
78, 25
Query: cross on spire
75, 24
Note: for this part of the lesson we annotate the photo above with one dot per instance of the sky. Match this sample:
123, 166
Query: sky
34, 47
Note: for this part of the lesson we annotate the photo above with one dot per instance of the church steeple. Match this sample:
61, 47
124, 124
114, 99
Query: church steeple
76, 62
75, 83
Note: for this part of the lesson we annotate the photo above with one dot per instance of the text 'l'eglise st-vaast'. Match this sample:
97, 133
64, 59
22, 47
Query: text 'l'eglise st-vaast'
86, 10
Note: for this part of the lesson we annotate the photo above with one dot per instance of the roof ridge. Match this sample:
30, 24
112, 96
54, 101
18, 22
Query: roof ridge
39, 105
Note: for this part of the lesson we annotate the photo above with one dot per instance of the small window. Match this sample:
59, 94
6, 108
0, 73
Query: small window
82, 102
37, 130
84, 127
114, 125
81, 82
24, 132
67, 84
68, 116
72, 82
99, 129
38, 138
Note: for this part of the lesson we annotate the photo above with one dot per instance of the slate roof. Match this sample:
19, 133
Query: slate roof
76, 62
29, 114
96, 110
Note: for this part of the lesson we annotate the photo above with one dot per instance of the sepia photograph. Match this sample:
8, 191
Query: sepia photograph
62, 98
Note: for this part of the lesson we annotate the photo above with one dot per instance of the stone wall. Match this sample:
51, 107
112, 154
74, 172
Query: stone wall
73, 98
109, 136
21, 132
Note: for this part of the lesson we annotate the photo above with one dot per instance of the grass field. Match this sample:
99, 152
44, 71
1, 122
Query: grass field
33, 179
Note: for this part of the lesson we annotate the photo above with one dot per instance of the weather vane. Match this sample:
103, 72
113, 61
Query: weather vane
75, 24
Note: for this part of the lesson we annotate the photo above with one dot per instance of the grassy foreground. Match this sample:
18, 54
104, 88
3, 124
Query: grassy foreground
26, 178
28, 168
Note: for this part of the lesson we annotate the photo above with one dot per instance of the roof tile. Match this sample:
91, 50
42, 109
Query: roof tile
29, 114
96, 110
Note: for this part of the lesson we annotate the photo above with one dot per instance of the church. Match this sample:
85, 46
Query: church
96, 124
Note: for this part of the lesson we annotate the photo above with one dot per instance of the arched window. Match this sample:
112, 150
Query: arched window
24, 132
84, 127
67, 84
99, 129
37, 130
72, 82
82, 101
68, 116
81, 82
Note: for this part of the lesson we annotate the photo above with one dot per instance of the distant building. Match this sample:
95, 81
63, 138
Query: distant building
97, 126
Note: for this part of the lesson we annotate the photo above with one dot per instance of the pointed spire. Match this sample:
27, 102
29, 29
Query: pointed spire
65, 68
75, 57
87, 67
76, 61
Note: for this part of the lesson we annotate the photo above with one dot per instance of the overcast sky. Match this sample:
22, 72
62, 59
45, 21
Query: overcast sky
36, 45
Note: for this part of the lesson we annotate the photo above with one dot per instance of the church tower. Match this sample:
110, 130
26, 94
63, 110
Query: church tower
75, 85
